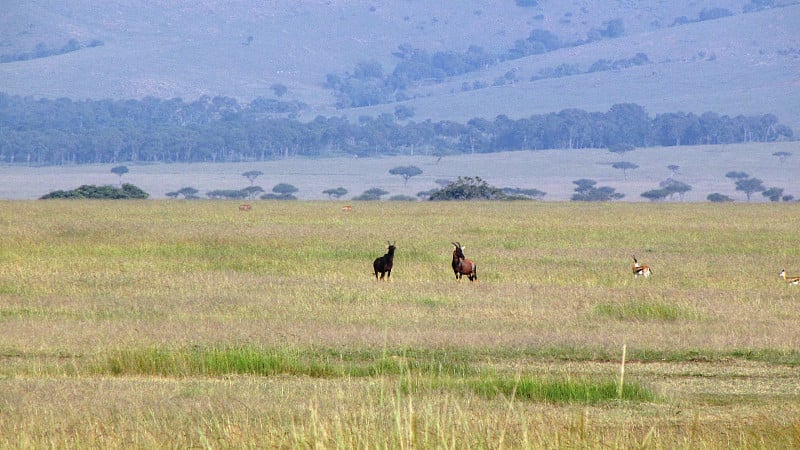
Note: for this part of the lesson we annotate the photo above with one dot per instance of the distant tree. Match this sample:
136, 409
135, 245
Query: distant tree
188, 193
426, 194
673, 187
226, 194
252, 175
279, 89
621, 148
252, 191
546, 39
469, 188
284, 189
587, 192
625, 166
736, 175
714, 13
614, 28
655, 194
716, 197
371, 194
119, 171
335, 193
787, 198
674, 168
750, 186
368, 69
773, 194
402, 112
782, 156
406, 172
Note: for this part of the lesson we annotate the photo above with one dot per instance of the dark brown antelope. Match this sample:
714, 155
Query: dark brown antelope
385, 262
463, 266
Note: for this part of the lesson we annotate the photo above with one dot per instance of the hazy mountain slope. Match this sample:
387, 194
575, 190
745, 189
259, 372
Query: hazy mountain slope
192, 48
732, 66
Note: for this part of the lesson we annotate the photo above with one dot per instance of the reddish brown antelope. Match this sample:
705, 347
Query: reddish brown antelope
463, 266
640, 269
245, 207
384, 263
791, 280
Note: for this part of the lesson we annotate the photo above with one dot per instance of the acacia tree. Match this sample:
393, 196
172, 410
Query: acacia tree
252, 191
252, 175
673, 187
625, 166
655, 194
119, 171
782, 156
372, 194
774, 194
587, 192
716, 197
734, 175
674, 168
188, 193
406, 172
335, 193
282, 191
750, 186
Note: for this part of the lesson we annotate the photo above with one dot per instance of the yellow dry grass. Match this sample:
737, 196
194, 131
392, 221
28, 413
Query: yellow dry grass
713, 333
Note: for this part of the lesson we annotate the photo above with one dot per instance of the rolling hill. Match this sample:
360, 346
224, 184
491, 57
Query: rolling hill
742, 63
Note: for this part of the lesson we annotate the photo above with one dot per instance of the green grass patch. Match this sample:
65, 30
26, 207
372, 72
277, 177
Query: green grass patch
270, 362
533, 388
559, 390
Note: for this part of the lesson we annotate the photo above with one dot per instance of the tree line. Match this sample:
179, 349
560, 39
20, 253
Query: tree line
220, 129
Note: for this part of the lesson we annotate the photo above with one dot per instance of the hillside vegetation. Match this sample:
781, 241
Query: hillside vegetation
738, 62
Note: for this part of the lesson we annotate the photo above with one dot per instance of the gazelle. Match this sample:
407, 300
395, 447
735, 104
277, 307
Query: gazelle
790, 280
640, 269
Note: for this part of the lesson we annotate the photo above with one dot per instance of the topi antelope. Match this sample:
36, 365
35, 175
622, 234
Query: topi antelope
790, 280
640, 269
384, 263
463, 266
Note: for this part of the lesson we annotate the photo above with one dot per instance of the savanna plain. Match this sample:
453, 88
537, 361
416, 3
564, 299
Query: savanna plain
166, 323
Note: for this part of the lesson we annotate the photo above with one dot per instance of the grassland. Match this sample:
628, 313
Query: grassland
178, 324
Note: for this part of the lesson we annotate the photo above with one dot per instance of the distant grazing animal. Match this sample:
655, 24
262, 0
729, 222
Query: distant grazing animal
347, 208
463, 266
791, 280
384, 263
245, 207
640, 269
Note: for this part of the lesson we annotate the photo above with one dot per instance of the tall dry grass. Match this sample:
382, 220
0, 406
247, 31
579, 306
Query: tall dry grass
168, 323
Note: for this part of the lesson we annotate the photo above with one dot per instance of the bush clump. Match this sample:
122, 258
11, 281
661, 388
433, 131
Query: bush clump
127, 191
